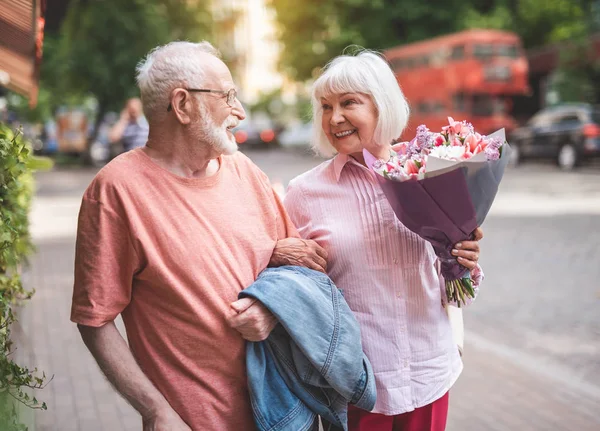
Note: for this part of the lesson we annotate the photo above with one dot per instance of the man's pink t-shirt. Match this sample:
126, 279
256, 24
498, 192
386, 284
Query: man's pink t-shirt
170, 254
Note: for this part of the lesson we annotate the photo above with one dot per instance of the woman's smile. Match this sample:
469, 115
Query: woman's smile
344, 134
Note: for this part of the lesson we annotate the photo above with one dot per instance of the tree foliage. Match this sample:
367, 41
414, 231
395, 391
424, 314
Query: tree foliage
101, 42
100, 45
319, 30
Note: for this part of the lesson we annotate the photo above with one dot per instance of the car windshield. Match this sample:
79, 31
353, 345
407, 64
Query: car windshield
542, 118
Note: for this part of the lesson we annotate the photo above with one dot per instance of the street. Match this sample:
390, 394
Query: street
532, 345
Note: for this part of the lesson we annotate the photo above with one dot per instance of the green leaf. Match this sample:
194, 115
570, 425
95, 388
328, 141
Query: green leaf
37, 163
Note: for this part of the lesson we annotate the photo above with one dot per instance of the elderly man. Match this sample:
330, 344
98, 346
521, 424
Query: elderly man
132, 128
168, 235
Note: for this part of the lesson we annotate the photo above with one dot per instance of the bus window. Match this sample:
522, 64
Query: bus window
423, 108
458, 52
483, 51
397, 64
485, 105
510, 51
459, 102
437, 107
437, 58
496, 73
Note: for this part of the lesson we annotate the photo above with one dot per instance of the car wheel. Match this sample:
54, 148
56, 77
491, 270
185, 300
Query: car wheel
567, 157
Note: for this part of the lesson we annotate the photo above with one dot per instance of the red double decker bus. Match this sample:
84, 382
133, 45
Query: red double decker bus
472, 75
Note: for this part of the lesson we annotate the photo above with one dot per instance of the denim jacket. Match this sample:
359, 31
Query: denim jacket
312, 363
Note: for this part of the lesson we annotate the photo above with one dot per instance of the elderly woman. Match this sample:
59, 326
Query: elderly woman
389, 276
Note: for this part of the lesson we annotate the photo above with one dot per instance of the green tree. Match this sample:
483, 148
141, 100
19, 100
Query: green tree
319, 30
304, 33
102, 41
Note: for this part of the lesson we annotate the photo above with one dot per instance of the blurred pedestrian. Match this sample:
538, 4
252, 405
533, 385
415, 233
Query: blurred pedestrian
131, 130
168, 236
390, 276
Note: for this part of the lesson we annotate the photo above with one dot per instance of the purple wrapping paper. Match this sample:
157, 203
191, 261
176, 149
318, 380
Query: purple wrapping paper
447, 208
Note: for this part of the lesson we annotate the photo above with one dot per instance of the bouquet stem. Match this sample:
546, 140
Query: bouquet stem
460, 290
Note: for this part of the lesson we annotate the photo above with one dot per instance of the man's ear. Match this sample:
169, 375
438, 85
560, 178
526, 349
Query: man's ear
182, 105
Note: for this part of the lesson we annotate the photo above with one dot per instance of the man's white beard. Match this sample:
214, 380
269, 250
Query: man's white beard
217, 136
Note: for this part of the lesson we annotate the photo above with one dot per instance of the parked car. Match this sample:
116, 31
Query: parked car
260, 133
296, 136
566, 133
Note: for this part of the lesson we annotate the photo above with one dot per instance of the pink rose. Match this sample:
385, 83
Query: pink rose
439, 140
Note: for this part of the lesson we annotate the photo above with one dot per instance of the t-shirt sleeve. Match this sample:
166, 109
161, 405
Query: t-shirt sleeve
105, 262
298, 210
285, 227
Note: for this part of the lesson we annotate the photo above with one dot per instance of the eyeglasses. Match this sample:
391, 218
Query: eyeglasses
230, 95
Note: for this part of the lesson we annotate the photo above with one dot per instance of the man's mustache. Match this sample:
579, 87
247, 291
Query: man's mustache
232, 123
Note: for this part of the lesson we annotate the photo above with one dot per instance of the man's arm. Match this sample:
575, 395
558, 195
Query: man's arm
121, 369
116, 132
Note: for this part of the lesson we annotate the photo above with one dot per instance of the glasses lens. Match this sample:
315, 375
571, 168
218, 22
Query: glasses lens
231, 94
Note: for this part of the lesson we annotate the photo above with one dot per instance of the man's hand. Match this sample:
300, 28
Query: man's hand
299, 252
251, 319
124, 116
167, 420
467, 252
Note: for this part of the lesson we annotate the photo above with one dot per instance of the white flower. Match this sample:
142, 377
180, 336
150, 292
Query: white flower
448, 152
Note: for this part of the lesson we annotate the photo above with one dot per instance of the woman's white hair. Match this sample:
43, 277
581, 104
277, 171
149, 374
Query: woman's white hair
167, 67
365, 72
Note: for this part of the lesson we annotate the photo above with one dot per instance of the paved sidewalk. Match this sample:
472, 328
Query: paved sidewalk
500, 389
79, 398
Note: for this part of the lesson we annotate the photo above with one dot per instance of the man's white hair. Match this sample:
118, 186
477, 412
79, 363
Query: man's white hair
167, 67
365, 72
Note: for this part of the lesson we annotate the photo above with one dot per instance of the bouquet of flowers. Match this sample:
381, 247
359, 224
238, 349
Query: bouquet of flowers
441, 186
